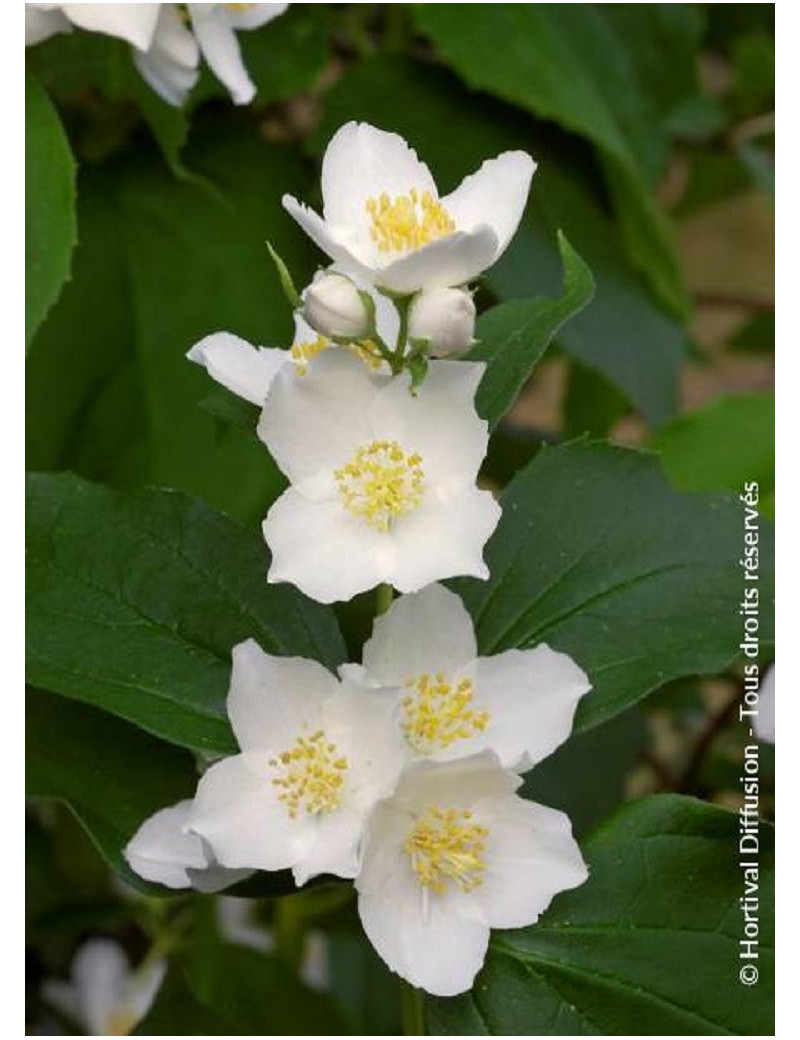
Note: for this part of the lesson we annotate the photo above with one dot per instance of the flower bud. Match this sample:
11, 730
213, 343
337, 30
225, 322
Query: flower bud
444, 317
333, 307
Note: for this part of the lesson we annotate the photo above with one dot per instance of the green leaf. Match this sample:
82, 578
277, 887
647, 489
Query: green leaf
50, 227
598, 556
623, 333
162, 263
592, 404
135, 601
110, 774
579, 66
176, 1011
286, 57
649, 945
513, 336
722, 446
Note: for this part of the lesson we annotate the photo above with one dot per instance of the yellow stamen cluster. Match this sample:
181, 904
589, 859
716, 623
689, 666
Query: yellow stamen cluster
303, 352
381, 483
446, 846
239, 7
407, 221
311, 775
437, 713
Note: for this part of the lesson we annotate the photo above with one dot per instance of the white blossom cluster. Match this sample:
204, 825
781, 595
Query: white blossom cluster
400, 772
167, 40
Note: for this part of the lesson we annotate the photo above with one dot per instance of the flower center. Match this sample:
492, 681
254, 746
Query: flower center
447, 846
436, 713
407, 221
310, 775
303, 352
380, 483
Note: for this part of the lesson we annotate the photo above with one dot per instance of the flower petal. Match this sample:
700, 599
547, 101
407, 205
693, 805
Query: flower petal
236, 809
101, 971
41, 23
425, 631
334, 847
417, 937
531, 857
444, 262
326, 239
439, 421
161, 851
361, 162
272, 699
220, 48
135, 23
313, 423
495, 195
320, 548
170, 65
244, 369
531, 696
444, 537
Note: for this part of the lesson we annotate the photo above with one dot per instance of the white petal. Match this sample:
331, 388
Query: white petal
427, 946
531, 857
361, 162
41, 24
444, 537
254, 15
495, 195
215, 878
326, 239
100, 970
142, 990
328, 554
313, 423
170, 65
439, 421
449, 261
460, 784
135, 23
335, 846
220, 48
531, 696
236, 809
426, 631
272, 699
244, 369
160, 850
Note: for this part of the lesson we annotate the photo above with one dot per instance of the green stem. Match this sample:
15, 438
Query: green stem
412, 1010
384, 594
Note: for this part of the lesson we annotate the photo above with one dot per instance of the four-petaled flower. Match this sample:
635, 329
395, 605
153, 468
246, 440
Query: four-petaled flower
383, 220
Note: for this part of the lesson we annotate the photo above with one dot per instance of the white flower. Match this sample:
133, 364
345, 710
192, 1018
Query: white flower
170, 64
519, 704
383, 219
132, 22
333, 306
451, 855
315, 757
103, 993
444, 317
382, 481
765, 719
162, 850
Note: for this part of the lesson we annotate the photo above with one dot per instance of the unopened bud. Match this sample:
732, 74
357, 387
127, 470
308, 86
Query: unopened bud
333, 306
444, 317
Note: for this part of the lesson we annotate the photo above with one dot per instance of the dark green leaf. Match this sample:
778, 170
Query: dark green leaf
598, 556
177, 1012
649, 945
50, 229
110, 774
513, 336
593, 404
134, 603
724, 445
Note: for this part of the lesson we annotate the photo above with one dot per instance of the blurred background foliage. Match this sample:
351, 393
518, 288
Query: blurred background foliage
653, 127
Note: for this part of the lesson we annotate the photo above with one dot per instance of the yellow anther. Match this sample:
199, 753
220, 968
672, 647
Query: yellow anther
303, 352
310, 775
407, 221
445, 847
380, 483
437, 713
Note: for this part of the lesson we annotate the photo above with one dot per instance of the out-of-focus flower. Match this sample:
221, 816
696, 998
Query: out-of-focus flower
383, 220
162, 850
315, 757
453, 853
452, 703
443, 317
382, 481
765, 720
103, 993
